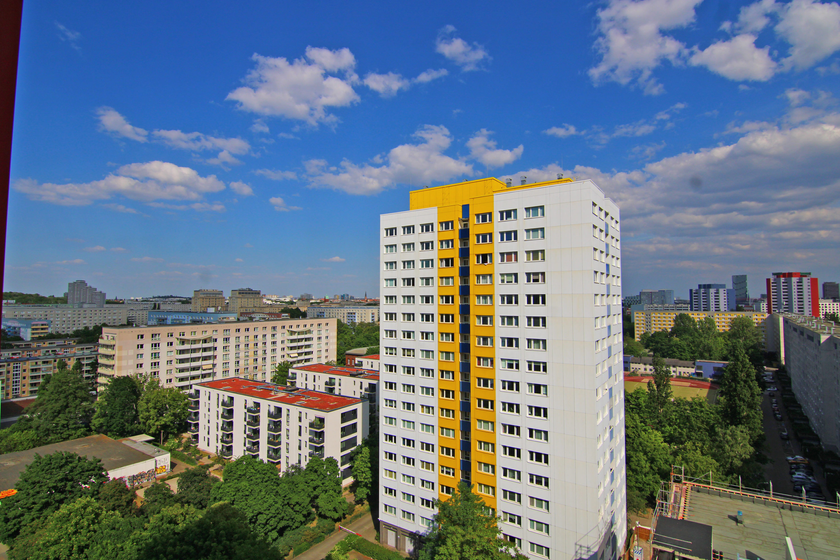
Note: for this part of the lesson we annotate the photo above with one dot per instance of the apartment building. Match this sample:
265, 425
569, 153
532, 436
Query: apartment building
204, 300
182, 355
654, 321
793, 292
27, 329
336, 380
345, 313
283, 426
501, 363
24, 366
829, 307
712, 297
64, 319
245, 299
80, 292
812, 357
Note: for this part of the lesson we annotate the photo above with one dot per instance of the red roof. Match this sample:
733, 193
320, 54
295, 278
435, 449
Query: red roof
277, 393
370, 374
371, 357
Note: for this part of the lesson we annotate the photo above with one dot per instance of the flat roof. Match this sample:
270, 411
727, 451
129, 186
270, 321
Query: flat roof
687, 538
114, 454
324, 402
361, 373
370, 357
814, 535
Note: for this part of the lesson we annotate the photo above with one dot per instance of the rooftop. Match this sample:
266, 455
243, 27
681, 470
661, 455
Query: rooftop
371, 374
305, 398
114, 454
370, 357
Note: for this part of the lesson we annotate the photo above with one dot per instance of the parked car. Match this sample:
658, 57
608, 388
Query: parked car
784, 435
777, 416
772, 389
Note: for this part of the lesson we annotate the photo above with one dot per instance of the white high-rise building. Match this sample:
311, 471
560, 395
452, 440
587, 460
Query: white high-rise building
501, 363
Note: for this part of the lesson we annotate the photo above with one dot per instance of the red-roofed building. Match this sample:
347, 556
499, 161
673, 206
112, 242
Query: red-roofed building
281, 425
368, 362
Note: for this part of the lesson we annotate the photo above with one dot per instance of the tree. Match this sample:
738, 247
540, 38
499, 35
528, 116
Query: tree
162, 410
739, 398
362, 474
195, 487
660, 388
45, 485
710, 344
63, 408
116, 496
117, 408
323, 478
462, 528
156, 498
648, 456
745, 335
281, 373
634, 348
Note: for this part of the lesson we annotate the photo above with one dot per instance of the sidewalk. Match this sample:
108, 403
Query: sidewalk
363, 526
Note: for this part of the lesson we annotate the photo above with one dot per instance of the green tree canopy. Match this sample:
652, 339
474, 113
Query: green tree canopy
362, 473
281, 373
648, 456
117, 408
462, 528
660, 388
116, 496
162, 410
156, 498
45, 485
739, 398
63, 408
323, 478
195, 487
634, 348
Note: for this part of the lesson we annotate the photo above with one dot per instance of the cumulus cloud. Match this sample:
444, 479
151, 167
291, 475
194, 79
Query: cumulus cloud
562, 131
143, 182
95, 249
276, 175
812, 29
411, 164
737, 59
468, 57
120, 208
224, 159
386, 85
304, 89
430, 75
281, 206
259, 126
484, 150
242, 189
334, 259
113, 122
119, 250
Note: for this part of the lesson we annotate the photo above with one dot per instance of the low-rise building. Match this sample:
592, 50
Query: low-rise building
182, 355
188, 317
345, 313
64, 319
368, 362
24, 366
654, 321
284, 426
643, 365
336, 380
27, 329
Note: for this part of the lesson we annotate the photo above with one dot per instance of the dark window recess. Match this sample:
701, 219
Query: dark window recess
347, 473
348, 443
346, 459
349, 415
348, 429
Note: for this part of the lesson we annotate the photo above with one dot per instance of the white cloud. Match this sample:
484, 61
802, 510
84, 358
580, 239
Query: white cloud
144, 182
146, 259
301, 90
120, 208
113, 122
412, 164
197, 141
68, 35
632, 45
259, 126
95, 249
119, 250
208, 207
753, 18
242, 189
238, 260
737, 59
430, 75
73, 261
287, 135
468, 57
562, 131
276, 175
386, 85
812, 29
224, 159
646, 151
281, 206
334, 259
484, 150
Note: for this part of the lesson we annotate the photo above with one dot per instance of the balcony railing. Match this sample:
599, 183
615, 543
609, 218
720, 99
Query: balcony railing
275, 427
317, 424
193, 405
253, 409
317, 440
193, 395
226, 452
274, 459
316, 453
227, 426
227, 402
193, 428
274, 442
253, 435
275, 415
227, 415
227, 438
253, 421
252, 448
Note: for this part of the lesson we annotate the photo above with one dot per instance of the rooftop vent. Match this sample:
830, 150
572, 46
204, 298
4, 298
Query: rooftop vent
508, 182
523, 179
559, 176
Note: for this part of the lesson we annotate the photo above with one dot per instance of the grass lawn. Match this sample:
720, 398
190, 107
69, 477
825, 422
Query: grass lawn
685, 392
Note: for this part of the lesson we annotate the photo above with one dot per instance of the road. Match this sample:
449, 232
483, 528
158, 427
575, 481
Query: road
363, 526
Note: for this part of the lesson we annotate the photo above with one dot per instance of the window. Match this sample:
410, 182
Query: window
390, 492
447, 356
507, 236
406, 442
390, 333
427, 228
407, 230
505, 215
447, 337
429, 411
536, 344
481, 238
486, 489
539, 549
535, 299
484, 258
510, 408
408, 300
427, 391
391, 265
391, 300
536, 233
511, 430
509, 299
407, 265
447, 263
390, 248
407, 388
538, 389
484, 300
512, 386
390, 282
408, 352
535, 277
427, 372
447, 318
446, 244
484, 320
390, 421
538, 435
537, 367
510, 257
511, 518
534, 256
508, 278
427, 281
407, 515
447, 490
428, 485
484, 425
390, 386
408, 479
508, 342
426, 246
512, 474
447, 375
408, 318
447, 281
447, 413
483, 278
537, 503
389, 351
486, 404
509, 321
407, 247
485, 446
427, 354
445, 226
483, 218
482, 361
484, 341
538, 480
486, 468
513, 452
447, 471
427, 263
506, 363
537, 411
390, 232
390, 509
390, 403
427, 318
408, 406
407, 497
447, 394
514, 497
536, 322
535, 212
447, 300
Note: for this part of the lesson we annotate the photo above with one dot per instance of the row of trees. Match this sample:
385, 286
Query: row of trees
65, 409
356, 335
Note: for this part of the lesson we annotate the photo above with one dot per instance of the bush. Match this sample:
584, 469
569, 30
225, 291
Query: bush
302, 547
372, 550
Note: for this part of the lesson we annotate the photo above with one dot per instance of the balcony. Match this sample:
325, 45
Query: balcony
254, 409
273, 442
274, 458
192, 418
227, 402
253, 422
317, 424
463, 233
226, 452
464, 271
292, 376
330, 382
252, 449
275, 415
319, 452
227, 427
193, 395
317, 440
275, 427
193, 405
227, 415
227, 438
193, 428
253, 435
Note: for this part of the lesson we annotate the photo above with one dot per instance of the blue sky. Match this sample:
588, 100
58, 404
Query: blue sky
160, 148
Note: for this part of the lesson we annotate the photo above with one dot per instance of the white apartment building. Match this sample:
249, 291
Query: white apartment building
345, 313
336, 380
501, 363
828, 307
65, 319
182, 355
284, 426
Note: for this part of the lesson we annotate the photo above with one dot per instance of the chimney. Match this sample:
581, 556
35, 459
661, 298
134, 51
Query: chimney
522, 179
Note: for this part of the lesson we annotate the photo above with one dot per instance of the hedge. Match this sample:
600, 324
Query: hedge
370, 549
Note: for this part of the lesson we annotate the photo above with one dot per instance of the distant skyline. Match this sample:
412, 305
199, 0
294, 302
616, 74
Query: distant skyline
160, 149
